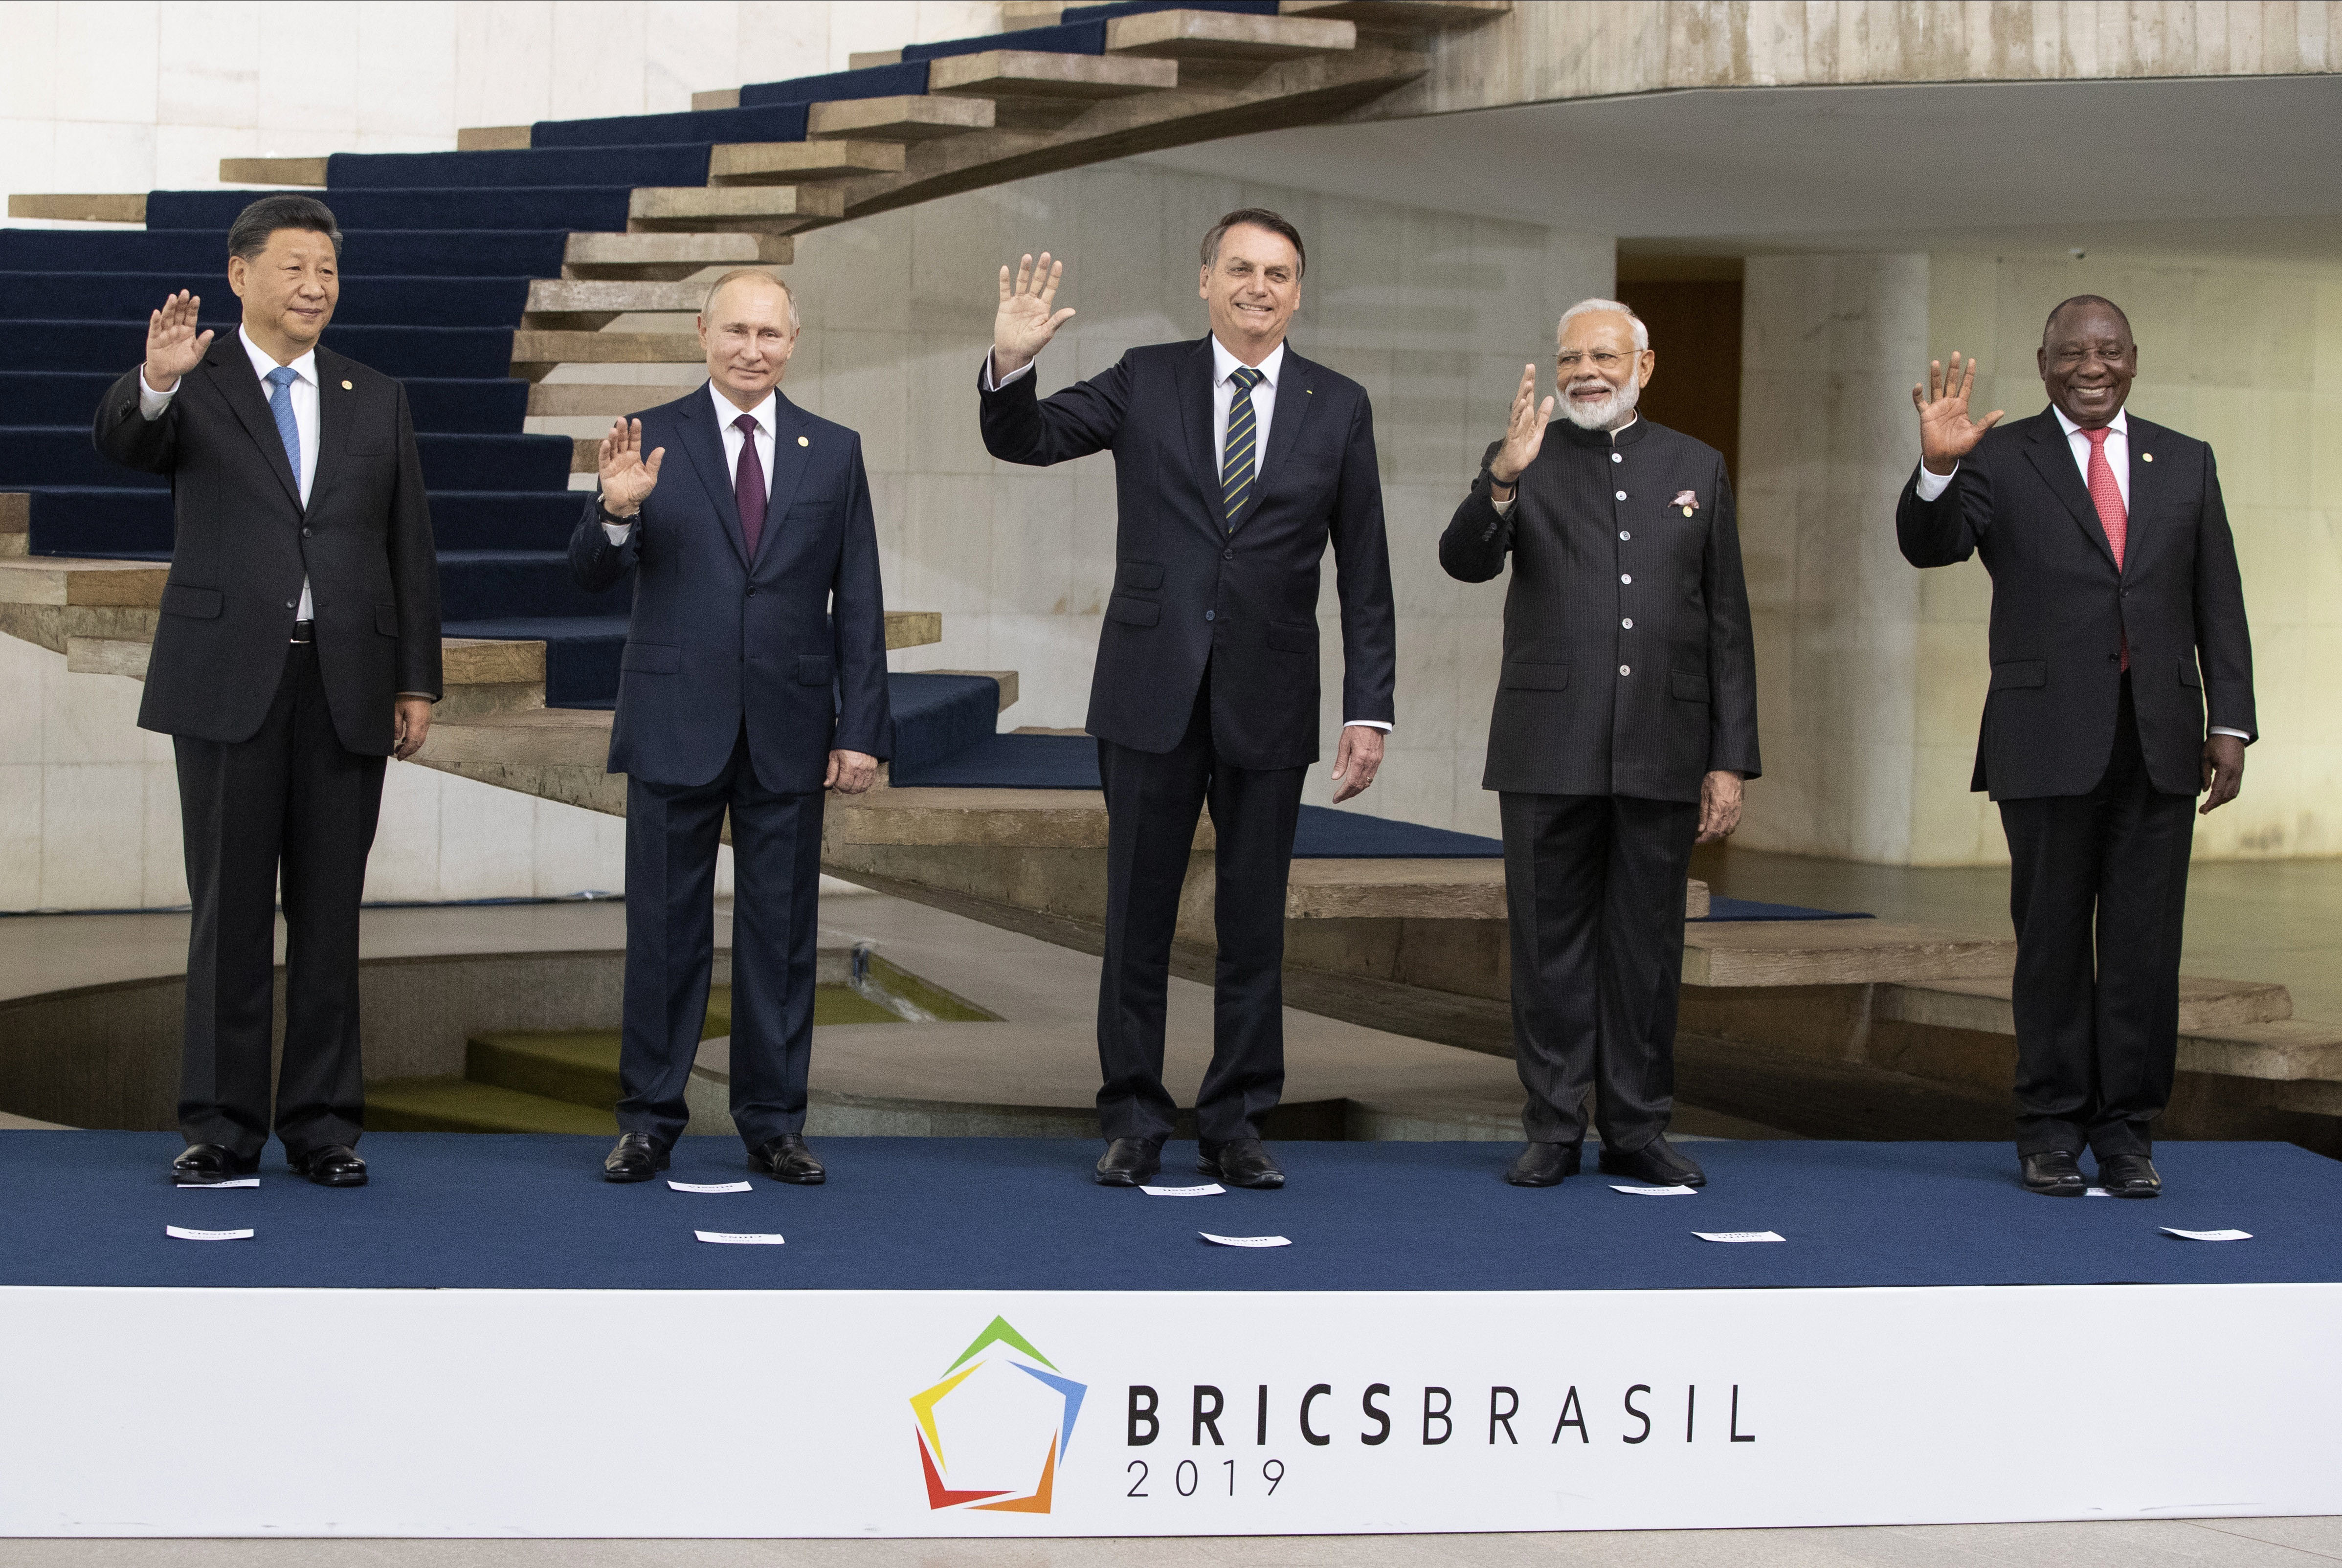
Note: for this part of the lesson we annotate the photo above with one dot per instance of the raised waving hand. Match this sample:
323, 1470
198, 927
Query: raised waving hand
1026, 321
1523, 431
1947, 434
174, 347
627, 479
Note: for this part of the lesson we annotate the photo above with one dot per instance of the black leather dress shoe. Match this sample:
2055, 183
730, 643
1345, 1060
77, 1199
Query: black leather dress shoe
1241, 1163
637, 1157
2056, 1175
2129, 1177
1545, 1164
335, 1166
208, 1164
1657, 1162
1128, 1162
786, 1158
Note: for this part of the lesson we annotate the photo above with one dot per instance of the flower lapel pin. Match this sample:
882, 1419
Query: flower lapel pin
1686, 500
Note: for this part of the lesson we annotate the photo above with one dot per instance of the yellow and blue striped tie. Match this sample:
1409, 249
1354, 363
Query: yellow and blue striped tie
1237, 456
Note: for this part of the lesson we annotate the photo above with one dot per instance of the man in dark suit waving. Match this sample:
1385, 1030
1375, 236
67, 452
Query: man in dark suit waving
298, 647
2117, 619
753, 677
1235, 460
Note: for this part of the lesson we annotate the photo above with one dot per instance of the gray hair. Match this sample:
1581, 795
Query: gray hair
1604, 307
248, 236
738, 273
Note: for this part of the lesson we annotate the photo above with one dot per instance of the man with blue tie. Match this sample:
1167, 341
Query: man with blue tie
298, 647
1235, 462
753, 678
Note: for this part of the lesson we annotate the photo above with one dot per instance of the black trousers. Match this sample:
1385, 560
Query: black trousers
1594, 891
2097, 890
672, 837
1152, 801
291, 801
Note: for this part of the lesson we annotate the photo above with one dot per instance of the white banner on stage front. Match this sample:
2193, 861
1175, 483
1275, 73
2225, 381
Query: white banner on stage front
457, 1412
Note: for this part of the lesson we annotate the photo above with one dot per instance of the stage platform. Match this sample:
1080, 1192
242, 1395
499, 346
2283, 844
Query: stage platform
965, 1337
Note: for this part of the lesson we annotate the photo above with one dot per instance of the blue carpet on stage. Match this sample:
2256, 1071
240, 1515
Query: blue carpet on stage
483, 1211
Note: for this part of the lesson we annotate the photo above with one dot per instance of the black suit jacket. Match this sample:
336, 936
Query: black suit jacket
1188, 591
1589, 703
242, 541
2061, 610
792, 645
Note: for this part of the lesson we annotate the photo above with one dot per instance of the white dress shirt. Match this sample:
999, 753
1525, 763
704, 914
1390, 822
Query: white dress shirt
1224, 391
765, 413
1931, 485
303, 395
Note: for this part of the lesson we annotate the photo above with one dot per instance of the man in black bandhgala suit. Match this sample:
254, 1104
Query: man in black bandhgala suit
2122, 688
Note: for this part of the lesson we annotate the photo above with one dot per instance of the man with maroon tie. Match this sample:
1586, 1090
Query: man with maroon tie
753, 677
2118, 629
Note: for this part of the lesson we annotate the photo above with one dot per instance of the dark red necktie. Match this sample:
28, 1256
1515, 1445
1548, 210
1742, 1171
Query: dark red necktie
2106, 496
748, 484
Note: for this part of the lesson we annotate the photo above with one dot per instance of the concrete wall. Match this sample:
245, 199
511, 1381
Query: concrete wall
1873, 674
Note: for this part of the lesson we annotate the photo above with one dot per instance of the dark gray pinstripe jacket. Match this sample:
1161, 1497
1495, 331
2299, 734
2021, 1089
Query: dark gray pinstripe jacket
1629, 668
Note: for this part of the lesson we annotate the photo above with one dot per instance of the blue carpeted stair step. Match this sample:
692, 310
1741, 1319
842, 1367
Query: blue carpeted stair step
475, 406
1138, 7
684, 163
481, 352
937, 716
366, 251
777, 122
907, 80
63, 454
589, 207
1080, 38
510, 584
581, 653
114, 520
372, 302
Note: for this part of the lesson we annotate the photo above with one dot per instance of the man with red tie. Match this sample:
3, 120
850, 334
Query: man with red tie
2118, 629
753, 677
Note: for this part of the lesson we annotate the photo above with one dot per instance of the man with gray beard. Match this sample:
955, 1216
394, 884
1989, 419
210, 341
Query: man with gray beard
1624, 724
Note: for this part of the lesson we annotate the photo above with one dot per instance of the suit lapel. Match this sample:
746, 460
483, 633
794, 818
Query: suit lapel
2053, 455
231, 371
1293, 400
333, 422
793, 436
703, 447
1195, 387
2146, 490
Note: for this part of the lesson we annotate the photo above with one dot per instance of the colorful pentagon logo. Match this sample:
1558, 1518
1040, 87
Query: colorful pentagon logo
992, 1432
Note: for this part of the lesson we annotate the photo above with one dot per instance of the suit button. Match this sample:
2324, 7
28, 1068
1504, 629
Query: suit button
1624, 535
1624, 670
292, 604
1622, 495
306, 531
1209, 613
1617, 457
1228, 554
752, 593
1626, 576
1628, 622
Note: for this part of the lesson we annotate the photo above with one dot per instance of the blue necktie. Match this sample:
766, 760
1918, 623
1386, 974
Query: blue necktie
280, 404
1237, 464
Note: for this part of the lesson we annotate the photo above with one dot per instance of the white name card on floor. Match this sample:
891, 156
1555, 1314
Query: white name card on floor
712, 1186
741, 1238
2096, 1192
2207, 1235
1657, 1192
1244, 1241
1740, 1235
1208, 1190
185, 1234
239, 1182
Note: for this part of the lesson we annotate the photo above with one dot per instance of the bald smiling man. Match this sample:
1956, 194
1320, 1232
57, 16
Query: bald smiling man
754, 679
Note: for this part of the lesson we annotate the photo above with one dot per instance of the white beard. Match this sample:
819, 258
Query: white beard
1602, 416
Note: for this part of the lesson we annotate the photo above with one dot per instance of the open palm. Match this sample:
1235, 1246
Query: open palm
1026, 321
1947, 434
174, 347
627, 478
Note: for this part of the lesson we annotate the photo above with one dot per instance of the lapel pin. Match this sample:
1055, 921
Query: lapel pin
2146, 457
805, 440
347, 387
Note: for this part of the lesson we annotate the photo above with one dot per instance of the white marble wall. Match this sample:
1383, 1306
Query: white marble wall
1432, 313
136, 95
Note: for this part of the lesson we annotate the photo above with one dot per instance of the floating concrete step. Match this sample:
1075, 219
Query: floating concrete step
1029, 73
15, 523
1782, 952
589, 304
670, 256
904, 119
765, 209
451, 1104
272, 171
1983, 1006
492, 139
535, 353
1418, 16
2285, 1050
81, 209
1225, 37
786, 162
562, 399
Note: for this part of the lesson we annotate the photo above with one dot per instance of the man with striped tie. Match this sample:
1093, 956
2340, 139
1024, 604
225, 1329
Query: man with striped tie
1235, 460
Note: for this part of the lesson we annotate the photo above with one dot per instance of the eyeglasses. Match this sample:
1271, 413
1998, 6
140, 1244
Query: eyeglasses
1569, 359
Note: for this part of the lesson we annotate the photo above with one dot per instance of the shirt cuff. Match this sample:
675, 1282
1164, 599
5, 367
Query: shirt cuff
991, 384
618, 533
1932, 484
2238, 734
420, 696
1366, 724
152, 403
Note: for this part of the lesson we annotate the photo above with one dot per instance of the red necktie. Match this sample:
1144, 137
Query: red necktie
748, 484
2106, 496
